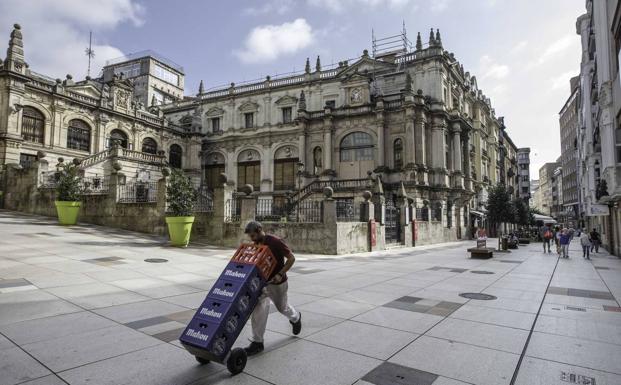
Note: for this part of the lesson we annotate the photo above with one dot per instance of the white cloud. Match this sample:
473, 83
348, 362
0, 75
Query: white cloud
488, 68
519, 47
339, 6
439, 5
279, 7
268, 42
56, 31
558, 47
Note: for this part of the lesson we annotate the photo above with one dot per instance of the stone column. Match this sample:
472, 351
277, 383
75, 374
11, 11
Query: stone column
302, 150
466, 166
438, 159
381, 145
328, 149
406, 230
410, 137
419, 138
248, 208
457, 149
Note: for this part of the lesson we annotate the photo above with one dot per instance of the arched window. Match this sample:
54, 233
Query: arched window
398, 153
149, 146
174, 156
356, 146
317, 160
79, 135
249, 169
119, 137
33, 125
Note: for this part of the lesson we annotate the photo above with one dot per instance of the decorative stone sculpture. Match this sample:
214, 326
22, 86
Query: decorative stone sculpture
247, 189
41, 154
165, 171
328, 192
367, 195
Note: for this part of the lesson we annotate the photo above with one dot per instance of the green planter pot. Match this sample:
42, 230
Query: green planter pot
179, 229
67, 212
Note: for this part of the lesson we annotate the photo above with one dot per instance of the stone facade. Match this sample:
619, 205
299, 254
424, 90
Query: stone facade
69, 119
415, 118
413, 126
568, 122
524, 174
599, 136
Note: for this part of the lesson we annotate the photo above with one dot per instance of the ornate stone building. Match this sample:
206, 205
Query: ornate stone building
414, 118
410, 125
82, 119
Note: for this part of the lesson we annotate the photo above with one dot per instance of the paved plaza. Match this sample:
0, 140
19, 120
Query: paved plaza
94, 305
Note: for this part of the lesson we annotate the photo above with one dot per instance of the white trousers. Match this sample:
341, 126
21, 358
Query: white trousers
278, 295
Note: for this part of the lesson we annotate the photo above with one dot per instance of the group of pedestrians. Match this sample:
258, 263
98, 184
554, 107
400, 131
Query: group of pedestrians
562, 238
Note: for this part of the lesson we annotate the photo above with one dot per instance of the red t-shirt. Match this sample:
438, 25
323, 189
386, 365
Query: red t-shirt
280, 250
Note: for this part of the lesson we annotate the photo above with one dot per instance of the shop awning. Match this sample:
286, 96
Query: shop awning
543, 218
477, 213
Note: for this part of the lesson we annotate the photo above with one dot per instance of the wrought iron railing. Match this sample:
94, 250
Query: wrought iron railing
95, 185
422, 214
48, 179
138, 192
232, 210
348, 211
307, 212
204, 200
267, 210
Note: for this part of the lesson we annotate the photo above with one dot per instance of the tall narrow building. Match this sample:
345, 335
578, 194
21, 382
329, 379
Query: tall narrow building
568, 121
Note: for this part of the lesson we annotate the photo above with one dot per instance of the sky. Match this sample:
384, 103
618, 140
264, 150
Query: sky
523, 53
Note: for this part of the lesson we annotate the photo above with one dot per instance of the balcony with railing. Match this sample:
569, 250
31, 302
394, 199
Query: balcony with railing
138, 192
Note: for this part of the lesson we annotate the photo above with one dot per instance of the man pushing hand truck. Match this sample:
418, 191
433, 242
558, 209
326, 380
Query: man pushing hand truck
276, 290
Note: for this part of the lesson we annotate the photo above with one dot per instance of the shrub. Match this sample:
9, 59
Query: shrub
68, 182
180, 195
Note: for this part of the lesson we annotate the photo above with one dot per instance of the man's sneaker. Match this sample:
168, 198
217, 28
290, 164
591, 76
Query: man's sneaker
254, 348
297, 326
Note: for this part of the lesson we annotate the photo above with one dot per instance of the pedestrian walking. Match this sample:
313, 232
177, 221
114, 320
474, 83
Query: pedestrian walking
276, 290
595, 241
557, 240
564, 240
585, 242
546, 235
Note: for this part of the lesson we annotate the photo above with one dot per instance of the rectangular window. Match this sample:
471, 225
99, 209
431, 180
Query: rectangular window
286, 114
249, 173
215, 124
284, 174
165, 75
129, 70
249, 119
331, 103
212, 175
27, 160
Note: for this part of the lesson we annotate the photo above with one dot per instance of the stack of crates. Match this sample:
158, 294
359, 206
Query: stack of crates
221, 317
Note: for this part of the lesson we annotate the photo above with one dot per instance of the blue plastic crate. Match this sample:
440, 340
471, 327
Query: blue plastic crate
211, 339
233, 291
241, 272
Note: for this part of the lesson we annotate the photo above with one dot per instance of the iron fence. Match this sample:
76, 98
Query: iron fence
348, 211
48, 179
306, 211
204, 200
95, 185
422, 214
232, 210
138, 192
267, 210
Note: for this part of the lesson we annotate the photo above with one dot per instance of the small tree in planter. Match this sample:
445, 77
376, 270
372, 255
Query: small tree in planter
180, 196
68, 189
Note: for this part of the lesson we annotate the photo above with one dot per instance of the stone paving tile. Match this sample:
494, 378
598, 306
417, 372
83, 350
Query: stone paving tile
336, 308
17, 367
583, 329
96, 295
574, 351
320, 365
480, 334
26, 305
139, 311
47, 328
460, 361
83, 348
311, 322
501, 317
364, 339
541, 372
163, 364
224, 378
399, 319
393, 374
47, 380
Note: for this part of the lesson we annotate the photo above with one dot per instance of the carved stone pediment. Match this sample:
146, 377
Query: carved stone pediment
214, 112
286, 152
214, 158
365, 65
87, 89
249, 155
286, 101
249, 107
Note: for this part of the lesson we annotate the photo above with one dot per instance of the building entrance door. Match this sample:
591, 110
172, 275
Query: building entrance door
392, 225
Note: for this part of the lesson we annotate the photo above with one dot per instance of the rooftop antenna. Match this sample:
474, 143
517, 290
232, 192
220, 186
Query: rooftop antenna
90, 52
